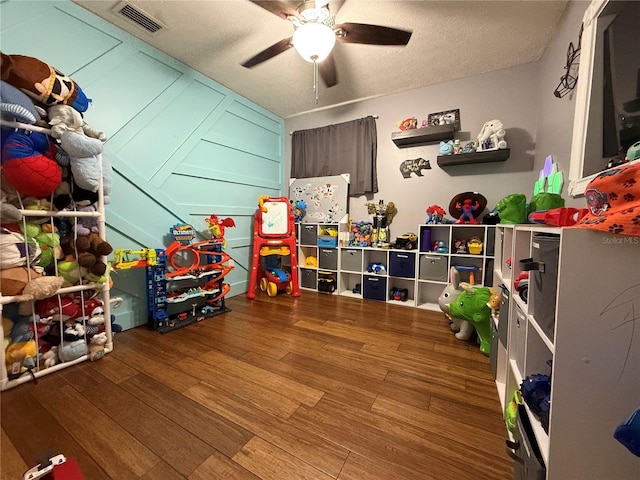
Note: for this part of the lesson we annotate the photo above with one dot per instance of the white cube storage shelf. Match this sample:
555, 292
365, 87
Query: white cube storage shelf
416, 276
585, 341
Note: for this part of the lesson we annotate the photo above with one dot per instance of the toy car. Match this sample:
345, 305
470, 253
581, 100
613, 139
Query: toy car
275, 280
376, 267
401, 294
408, 241
521, 285
327, 284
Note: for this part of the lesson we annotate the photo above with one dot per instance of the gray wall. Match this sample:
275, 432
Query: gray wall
182, 146
537, 123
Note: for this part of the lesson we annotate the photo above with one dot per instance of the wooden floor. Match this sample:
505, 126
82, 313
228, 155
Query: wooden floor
319, 387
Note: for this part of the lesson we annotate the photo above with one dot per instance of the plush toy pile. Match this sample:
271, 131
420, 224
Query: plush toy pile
50, 161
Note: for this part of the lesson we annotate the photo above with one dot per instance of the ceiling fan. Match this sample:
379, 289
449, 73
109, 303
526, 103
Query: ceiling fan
315, 34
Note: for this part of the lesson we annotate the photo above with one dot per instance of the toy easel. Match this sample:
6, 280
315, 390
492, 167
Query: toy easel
273, 234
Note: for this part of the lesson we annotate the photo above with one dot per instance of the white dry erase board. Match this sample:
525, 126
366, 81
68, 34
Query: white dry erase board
327, 198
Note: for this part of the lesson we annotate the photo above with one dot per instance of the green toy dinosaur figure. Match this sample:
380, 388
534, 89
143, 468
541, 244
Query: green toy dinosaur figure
471, 305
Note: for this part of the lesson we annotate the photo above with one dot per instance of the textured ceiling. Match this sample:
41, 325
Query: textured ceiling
451, 39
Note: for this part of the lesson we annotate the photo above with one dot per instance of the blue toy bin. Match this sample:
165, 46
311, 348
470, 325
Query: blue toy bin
327, 241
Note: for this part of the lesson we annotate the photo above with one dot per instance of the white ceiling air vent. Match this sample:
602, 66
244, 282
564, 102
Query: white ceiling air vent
140, 18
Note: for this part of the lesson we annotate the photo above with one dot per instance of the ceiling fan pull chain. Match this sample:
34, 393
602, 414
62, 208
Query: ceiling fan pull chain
315, 78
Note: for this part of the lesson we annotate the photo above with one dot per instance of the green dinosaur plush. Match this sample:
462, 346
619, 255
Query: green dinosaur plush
513, 209
471, 305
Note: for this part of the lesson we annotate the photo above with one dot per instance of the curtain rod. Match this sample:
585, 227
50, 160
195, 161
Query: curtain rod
374, 116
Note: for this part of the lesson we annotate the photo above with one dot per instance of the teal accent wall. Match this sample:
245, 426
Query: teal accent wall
182, 146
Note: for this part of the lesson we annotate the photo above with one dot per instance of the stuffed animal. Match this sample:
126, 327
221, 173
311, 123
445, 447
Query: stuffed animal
462, 328
41, 82
15, 251
28, 163
47, 239
15, 106
65, 117
471, 305
9, 210
491, 137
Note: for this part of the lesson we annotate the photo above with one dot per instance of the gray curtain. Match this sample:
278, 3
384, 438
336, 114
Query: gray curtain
349, 147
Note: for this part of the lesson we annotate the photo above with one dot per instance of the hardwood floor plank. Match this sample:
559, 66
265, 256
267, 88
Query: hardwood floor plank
346, 391
113, 368
290, 389
114, 449
435, 424
221, 433
305, 444
36, 432
178, 447
358, 467
217, 466
154, 367
162, 471
263, 398
12, 466
412, 449
358, 334
271, 463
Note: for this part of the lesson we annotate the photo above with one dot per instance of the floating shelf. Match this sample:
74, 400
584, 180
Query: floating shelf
422, 136
476, 157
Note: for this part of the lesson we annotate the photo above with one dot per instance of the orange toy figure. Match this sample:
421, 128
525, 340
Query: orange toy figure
217, 225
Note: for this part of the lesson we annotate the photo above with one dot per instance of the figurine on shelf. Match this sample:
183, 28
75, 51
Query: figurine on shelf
446, 148
491, 137
408, 123
469, 147
435, 214
467, 206
440, 246
382, 216
461, 245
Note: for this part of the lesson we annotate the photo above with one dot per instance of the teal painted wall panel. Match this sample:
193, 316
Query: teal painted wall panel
145, 152
210, 160
126, 90
265, 142
182, 146
39, 29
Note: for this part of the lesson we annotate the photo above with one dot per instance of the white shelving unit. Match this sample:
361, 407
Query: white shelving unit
433, 267
593, 345
315, 243
405, 271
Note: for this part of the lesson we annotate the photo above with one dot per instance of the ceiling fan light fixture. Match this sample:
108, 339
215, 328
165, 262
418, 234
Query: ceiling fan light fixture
314, 41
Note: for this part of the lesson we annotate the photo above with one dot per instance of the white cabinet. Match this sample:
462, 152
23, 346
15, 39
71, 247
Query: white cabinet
592, 343
442, 246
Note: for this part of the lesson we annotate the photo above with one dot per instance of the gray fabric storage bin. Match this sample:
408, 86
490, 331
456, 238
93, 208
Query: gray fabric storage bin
308, 234
543, 280
433, 267
528, 464
503, 323
351, 260
328, 258
308, 278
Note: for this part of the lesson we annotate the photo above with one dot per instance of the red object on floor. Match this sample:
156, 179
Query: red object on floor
57, 468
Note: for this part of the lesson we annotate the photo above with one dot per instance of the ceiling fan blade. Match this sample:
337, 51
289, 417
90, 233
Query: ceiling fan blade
335, 6
275, 49
371, 34
327, 70
281, 9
